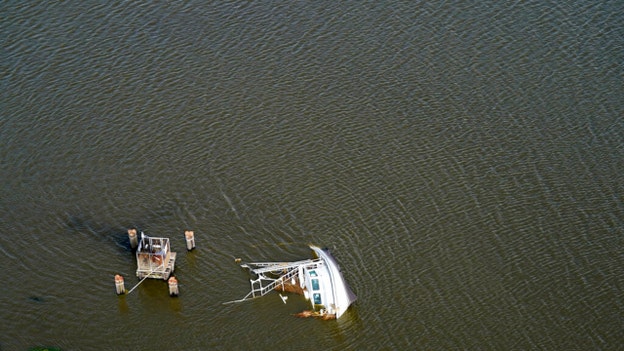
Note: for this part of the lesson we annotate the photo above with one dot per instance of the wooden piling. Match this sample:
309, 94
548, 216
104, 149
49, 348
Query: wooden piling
190, 240
119, 284
173, 286
134, 239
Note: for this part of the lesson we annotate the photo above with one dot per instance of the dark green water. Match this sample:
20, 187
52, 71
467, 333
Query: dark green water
463, 161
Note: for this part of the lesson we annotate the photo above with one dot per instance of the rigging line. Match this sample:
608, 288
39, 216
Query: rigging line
147, 276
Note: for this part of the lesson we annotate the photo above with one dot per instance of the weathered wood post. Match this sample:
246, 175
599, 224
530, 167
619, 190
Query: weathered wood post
173, 286
119, 284
134, 239
190, 240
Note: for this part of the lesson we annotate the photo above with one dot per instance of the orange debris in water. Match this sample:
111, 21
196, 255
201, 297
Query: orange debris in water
315, 314
288, 286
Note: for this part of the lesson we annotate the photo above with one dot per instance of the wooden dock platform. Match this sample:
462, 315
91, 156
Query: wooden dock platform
154, 258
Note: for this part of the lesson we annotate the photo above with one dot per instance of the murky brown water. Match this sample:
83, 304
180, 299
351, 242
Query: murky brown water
462, 161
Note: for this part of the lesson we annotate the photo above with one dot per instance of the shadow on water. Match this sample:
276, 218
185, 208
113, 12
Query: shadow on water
115, 235
118, 234
37, 299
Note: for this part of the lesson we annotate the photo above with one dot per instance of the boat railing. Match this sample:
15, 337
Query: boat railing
275, 267
283, 270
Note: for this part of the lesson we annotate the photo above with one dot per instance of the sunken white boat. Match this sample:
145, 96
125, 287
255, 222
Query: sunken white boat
319, 280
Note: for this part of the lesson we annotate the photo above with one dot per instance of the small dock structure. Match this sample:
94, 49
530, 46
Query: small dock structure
154, 258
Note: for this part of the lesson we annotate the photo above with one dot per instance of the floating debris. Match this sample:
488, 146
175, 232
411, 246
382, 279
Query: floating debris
319, 280
315, 314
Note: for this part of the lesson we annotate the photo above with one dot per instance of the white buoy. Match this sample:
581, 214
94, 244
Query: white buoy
119, 284
190, 240
134, 240
173, 286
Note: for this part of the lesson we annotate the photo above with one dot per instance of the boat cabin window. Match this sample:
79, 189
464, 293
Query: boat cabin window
315, 284
312, 273
317, 299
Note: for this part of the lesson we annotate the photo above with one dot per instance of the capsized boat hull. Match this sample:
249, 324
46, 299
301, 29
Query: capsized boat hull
337, 292
319, 280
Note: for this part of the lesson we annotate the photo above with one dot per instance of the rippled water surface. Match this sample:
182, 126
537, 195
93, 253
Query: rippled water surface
463, 161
